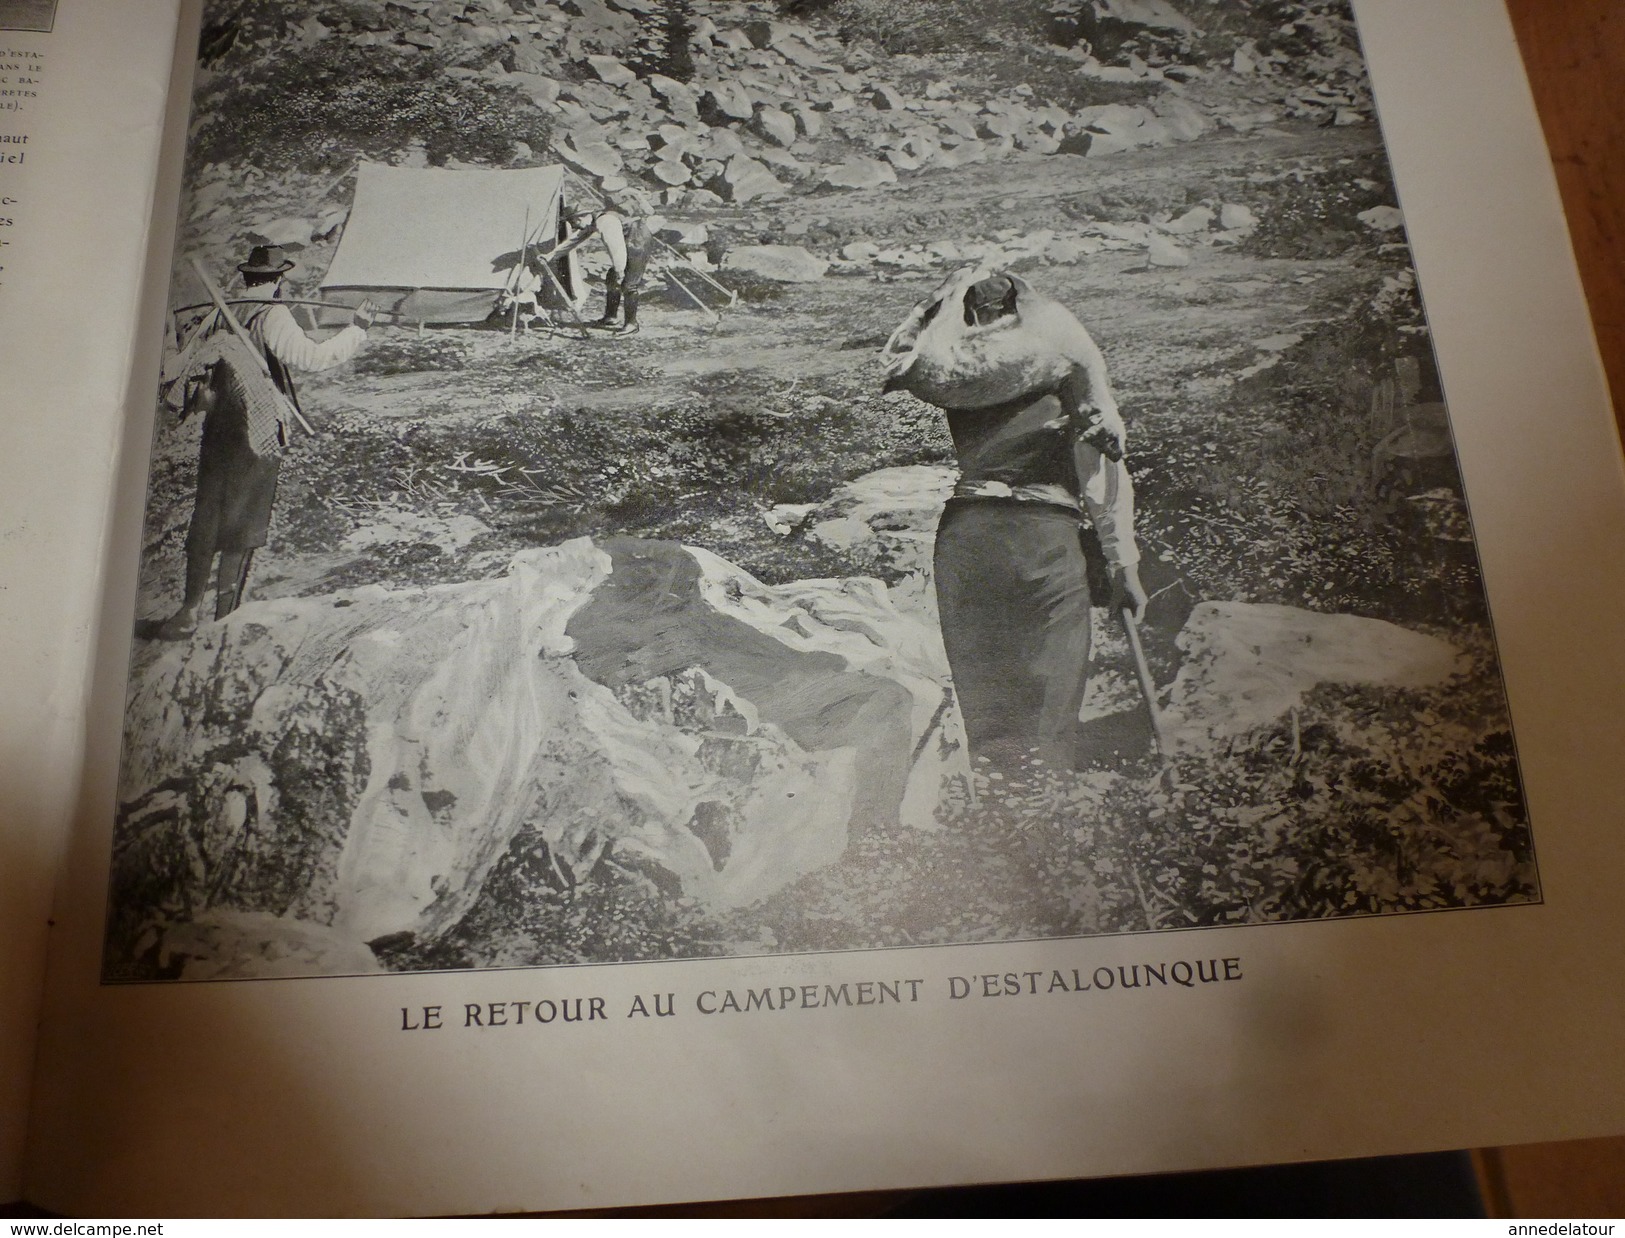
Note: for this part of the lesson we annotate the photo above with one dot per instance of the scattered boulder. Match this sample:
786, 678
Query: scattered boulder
683, 233
1232, 216
1156, 14
758, 33
1279, 343
785, 163
723, 143
859, 173
786, 264
1197, 219
727, 101
776, 126
611, 72
1185, 121
289, 231
671, 172
891, 514
1246, 666
801, 54
809, 122
540, 89
596, 159
745, 180
1382, 218
1161, 252
886, 98
679, 96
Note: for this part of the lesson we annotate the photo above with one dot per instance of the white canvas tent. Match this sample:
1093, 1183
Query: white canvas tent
439, 245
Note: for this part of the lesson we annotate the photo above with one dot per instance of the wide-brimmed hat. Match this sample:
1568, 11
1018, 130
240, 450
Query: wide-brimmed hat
266, 260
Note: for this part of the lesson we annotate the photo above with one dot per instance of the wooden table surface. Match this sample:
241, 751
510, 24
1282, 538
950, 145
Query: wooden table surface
1574, 51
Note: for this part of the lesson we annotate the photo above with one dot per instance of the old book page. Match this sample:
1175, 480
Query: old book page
82, 93
291, 1083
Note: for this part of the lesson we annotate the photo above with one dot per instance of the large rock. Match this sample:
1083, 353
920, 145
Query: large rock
323, 772
685, 234
1116, 120
611, 72
724, 101
596, 159
787, 264
777, 126
1157, 14
802, 54
1247, 666
1197, 219
1184, 119
809, 122
540, 89
1382, 218
670, 172
890, 516
288, 231
679, 96
1161, 252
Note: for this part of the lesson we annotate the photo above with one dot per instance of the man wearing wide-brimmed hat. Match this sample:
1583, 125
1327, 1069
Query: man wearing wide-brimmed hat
238, 466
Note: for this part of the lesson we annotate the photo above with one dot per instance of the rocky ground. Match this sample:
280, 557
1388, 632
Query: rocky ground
1214, 206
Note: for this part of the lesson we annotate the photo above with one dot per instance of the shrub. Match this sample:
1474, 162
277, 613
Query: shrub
412, 355
318, 108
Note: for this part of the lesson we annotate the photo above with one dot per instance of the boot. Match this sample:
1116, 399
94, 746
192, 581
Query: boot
179, 626
612, 302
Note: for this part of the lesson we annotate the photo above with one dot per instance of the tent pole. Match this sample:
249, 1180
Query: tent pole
547, 269
672, 275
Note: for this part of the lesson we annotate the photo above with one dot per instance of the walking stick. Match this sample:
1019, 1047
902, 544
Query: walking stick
1142, 672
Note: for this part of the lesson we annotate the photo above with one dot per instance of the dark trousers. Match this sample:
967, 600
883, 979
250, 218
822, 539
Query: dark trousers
236, 489
623, 287
1013, 594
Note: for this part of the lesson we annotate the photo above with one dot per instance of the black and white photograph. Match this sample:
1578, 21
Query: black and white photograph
645, 480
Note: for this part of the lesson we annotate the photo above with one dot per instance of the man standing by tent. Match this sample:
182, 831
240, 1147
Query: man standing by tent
240, 457
629, 241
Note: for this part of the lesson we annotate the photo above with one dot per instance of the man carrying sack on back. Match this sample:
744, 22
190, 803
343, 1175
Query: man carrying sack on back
245, 427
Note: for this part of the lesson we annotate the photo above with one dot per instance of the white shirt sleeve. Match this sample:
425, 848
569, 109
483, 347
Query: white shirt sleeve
614, 234
1108, 497
277, 330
